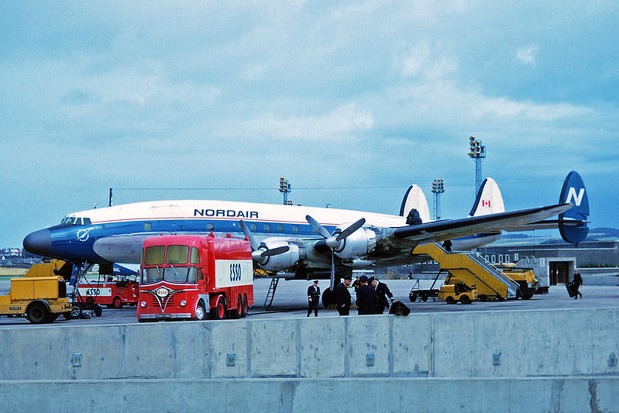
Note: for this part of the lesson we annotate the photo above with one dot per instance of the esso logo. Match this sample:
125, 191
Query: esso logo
235, 272
162, 292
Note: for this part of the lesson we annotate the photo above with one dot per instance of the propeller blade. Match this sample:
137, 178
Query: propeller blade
350, 229
316, 225
332, 279
252, 241
276, 251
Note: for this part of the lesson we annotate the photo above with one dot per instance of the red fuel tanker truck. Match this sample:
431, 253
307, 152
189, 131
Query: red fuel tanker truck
192, 277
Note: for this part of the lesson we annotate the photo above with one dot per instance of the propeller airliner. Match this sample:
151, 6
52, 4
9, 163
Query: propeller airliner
308, 242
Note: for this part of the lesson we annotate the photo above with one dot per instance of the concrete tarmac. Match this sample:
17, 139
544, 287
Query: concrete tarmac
290, 301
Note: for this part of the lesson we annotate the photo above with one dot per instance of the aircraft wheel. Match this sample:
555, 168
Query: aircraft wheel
37, 313
200, 312
328, 299
219, 312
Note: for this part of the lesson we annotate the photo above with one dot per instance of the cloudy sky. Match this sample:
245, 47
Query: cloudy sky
350, 101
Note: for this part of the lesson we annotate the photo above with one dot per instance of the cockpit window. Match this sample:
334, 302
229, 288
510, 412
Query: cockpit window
71, 220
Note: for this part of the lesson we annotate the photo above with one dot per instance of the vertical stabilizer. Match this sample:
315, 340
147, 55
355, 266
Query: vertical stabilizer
414, 198
489, 199
573, 223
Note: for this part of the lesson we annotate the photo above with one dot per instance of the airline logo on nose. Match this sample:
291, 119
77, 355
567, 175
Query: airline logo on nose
83, 234
577, 198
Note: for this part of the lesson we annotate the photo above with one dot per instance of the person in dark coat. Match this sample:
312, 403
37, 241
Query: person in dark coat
342, 296
382, 292
313, 297
366, 297
577, 282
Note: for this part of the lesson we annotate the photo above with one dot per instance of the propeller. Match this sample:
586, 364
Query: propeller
334, 241
260, 251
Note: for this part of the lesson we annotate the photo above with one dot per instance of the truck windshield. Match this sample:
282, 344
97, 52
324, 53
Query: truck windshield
172, 274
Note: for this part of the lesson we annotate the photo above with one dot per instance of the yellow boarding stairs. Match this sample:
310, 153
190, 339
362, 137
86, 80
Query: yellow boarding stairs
473, 270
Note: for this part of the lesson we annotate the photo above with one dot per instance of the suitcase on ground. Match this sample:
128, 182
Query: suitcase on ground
399, 308
570, 289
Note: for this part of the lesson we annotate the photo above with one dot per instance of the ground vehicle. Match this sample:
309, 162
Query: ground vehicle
40, 295
526, 278
192, 276
111, 290
455, 290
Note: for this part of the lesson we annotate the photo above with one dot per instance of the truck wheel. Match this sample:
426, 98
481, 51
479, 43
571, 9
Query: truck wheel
200, 311
219, 311
450, 300
465, 299
236, 312
37, 313
98, 310
244, 312
118, 303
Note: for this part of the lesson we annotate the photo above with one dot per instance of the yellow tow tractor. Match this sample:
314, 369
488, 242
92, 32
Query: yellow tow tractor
40, 295
454, 290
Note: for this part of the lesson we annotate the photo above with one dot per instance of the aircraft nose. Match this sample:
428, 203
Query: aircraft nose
39, 242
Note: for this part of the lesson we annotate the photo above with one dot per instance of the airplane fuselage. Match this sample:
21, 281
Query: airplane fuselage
116, 234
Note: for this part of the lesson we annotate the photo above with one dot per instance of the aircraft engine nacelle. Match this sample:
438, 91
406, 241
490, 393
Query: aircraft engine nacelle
279, 262
356, 245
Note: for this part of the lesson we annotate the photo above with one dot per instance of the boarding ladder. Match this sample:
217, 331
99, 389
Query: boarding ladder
271, 293
472, 269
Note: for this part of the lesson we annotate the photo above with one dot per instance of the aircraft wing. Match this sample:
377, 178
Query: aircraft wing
454, 228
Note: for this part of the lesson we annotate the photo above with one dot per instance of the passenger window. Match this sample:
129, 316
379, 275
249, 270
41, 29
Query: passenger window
266, 228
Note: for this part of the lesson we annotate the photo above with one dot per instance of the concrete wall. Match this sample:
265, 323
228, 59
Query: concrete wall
563, 360
509, 344
382, 395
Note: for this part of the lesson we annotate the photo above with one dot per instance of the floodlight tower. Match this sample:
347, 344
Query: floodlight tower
438, 187
285, 188
477, 151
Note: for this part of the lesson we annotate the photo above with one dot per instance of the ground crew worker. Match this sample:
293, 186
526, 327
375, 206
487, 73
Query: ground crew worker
342, 296
313, 297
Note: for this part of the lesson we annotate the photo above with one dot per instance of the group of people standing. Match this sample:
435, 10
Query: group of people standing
372, 296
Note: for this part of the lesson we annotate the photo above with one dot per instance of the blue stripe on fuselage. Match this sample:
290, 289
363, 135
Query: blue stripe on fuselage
75, 243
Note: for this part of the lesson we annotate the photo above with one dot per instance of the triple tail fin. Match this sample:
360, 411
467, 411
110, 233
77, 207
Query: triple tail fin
489, 199
414, 199
573, 224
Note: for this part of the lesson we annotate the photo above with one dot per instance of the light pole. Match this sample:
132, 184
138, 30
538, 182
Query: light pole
477, 151
438, 187
285, 188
